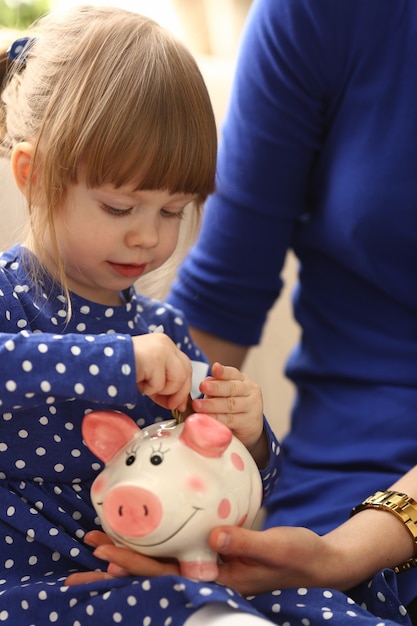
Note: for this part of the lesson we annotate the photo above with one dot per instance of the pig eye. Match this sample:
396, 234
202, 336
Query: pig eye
130, 459
156, 458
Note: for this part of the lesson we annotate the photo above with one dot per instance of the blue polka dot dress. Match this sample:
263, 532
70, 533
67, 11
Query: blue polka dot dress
52, 372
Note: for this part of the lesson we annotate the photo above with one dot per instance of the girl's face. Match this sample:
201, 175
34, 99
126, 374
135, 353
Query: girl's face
110, 237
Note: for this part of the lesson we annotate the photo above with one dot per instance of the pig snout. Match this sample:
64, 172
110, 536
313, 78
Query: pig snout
132, 511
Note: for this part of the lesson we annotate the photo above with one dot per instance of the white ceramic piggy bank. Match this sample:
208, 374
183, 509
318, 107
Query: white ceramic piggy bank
166, 486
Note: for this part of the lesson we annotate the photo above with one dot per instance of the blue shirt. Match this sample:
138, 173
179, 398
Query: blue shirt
319, 155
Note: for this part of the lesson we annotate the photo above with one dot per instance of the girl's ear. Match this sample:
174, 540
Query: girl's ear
21, 161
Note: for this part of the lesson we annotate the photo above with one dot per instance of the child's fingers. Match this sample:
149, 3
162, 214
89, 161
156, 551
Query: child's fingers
221, 405
226, 381
226, 372
225, 389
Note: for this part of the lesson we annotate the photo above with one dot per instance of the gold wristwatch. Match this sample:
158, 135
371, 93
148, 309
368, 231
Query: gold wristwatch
403, 507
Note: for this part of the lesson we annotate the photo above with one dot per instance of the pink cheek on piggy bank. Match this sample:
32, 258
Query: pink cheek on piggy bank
196, 484
99, 485
237, 461
224, 508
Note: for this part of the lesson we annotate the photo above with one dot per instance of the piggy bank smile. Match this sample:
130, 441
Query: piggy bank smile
138, 529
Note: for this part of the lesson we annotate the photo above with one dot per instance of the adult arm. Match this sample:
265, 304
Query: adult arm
270, 139
218, 349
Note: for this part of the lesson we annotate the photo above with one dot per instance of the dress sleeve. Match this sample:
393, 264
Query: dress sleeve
272, 132
270, 473
42, 366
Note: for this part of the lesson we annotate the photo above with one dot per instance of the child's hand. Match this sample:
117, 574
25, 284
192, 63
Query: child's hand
234, 399
163, 372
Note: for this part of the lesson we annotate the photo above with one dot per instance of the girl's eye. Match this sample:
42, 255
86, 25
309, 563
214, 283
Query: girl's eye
115, 210
179, 214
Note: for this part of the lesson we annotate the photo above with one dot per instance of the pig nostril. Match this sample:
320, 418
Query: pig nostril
132, 511
145, 510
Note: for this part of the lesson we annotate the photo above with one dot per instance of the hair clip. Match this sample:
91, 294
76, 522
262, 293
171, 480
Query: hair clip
19, 49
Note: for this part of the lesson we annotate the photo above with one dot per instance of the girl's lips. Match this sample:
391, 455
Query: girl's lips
130, 271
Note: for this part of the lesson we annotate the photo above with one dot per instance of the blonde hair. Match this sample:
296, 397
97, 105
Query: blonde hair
112, 92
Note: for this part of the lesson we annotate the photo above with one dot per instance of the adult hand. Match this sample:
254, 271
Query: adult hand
253, 561
258, 561
280, 557
122, 562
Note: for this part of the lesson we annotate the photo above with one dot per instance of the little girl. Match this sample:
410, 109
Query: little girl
111, 137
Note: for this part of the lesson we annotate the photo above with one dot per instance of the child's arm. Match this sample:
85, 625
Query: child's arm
151, 363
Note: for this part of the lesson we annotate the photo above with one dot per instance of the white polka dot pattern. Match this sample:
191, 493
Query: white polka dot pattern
52, 373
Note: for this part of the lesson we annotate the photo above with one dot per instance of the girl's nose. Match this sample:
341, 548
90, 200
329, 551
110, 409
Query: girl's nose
144, 234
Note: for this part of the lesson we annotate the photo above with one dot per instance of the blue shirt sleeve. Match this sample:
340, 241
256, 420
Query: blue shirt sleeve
98, 368
270, 137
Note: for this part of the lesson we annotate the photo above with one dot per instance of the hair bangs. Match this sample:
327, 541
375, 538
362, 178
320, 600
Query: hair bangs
164, 139
165, 155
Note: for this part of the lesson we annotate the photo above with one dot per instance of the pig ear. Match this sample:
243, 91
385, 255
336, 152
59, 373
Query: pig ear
106, 432
206, 435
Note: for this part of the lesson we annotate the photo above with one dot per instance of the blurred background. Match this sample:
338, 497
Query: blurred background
211, 29
209, 26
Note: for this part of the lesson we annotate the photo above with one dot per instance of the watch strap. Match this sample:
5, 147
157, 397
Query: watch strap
402, 506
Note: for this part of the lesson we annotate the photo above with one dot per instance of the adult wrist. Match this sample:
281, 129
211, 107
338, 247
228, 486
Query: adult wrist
404, 508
